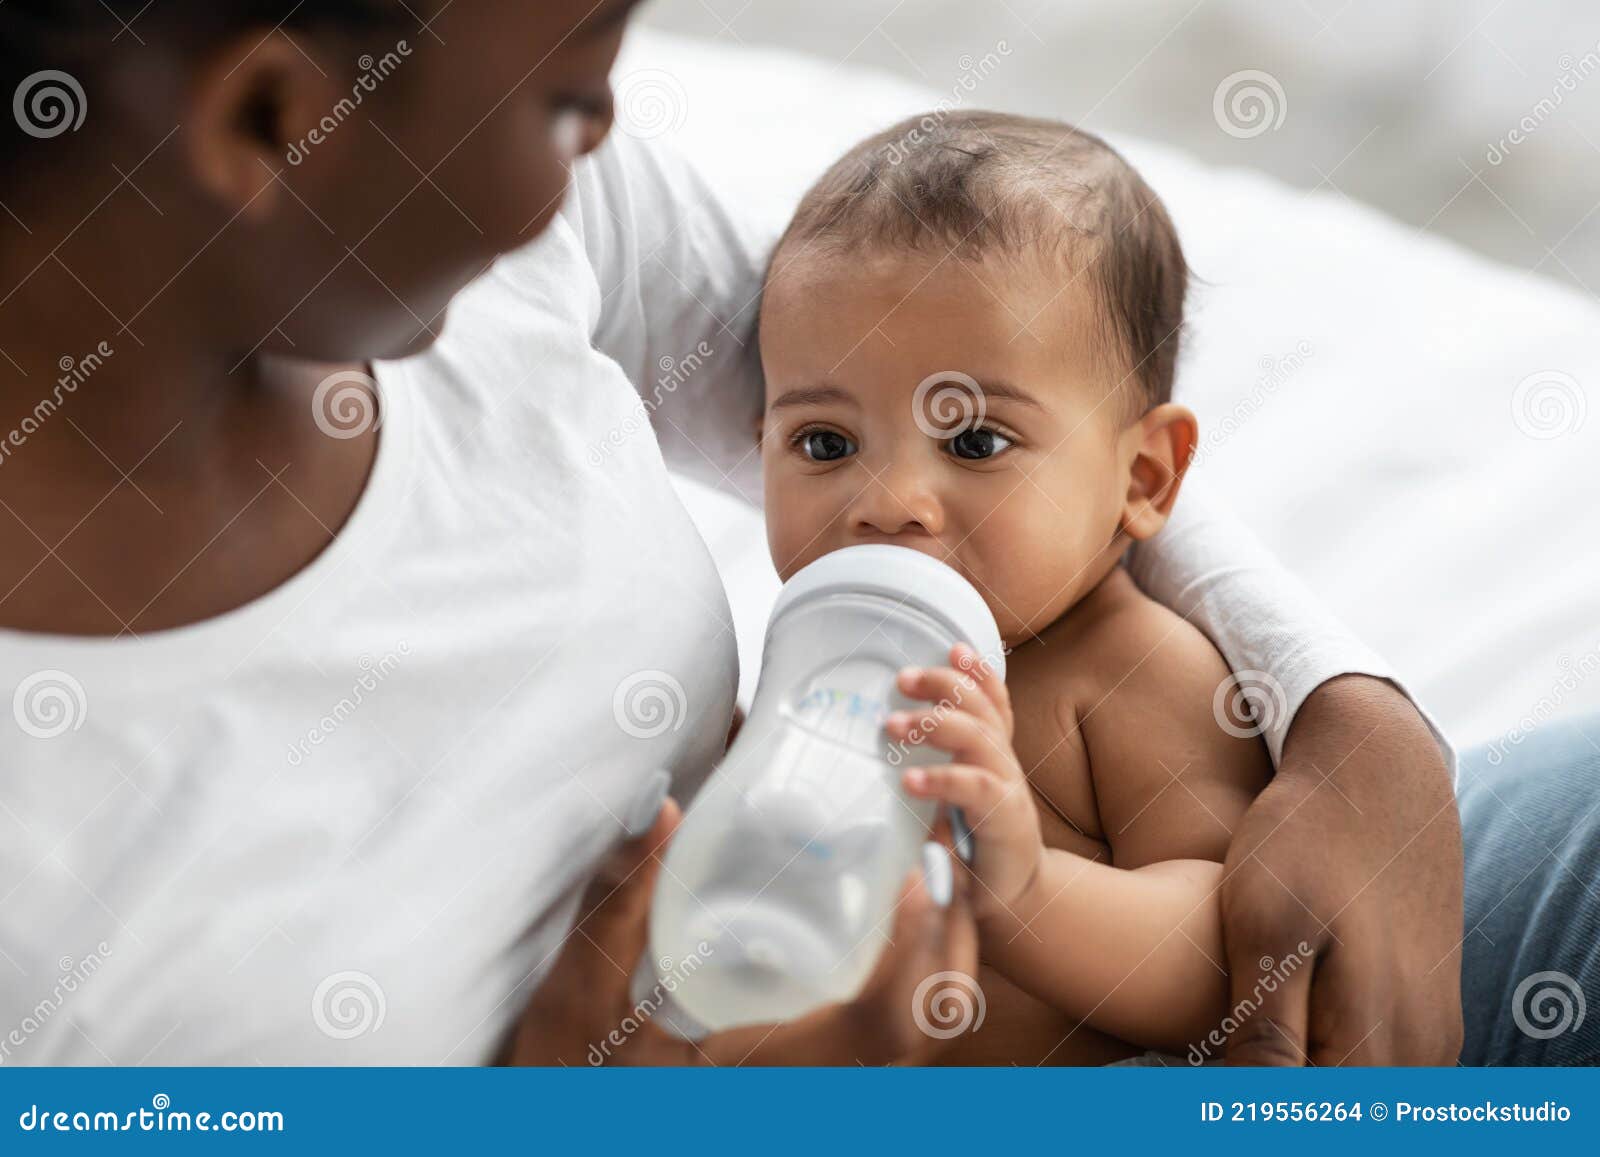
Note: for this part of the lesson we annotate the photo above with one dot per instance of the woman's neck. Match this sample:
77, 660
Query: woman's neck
83, 372
145, 484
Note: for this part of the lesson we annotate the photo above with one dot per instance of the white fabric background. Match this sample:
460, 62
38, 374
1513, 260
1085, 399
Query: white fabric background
1392, 102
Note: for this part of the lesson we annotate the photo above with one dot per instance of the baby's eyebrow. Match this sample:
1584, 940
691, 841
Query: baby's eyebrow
1006, 392
812, 396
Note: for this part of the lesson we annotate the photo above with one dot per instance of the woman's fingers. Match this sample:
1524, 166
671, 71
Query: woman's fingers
933, 933
929, 940
617, 904
586, 990
926, 936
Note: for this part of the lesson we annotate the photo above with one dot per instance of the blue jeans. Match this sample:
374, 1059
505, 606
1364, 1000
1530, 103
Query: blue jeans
1530, 967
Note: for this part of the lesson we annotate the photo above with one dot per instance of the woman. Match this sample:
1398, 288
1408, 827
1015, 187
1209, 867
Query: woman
335, 679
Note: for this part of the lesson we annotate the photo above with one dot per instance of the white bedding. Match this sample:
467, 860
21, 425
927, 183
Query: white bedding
1403, 422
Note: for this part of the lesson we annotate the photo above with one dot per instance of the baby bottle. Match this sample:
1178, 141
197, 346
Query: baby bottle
777, 891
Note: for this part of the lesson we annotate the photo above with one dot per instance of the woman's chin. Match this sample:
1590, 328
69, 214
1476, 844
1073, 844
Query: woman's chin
419, 340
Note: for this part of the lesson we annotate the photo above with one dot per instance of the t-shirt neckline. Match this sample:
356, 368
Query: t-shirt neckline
218, 636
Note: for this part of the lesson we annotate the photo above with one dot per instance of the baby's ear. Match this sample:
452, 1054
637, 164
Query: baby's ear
1161, 444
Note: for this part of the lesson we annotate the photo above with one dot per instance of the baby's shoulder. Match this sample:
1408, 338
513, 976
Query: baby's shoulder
1132, 637
1145, 683
1120, 639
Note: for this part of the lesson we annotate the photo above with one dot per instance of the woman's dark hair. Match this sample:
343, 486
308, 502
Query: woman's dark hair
79, 37
26, 22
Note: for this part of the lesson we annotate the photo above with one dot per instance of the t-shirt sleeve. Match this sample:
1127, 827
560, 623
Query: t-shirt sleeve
679, 268
1280, 640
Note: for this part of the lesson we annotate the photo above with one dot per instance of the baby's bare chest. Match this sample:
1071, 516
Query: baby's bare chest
1051, 748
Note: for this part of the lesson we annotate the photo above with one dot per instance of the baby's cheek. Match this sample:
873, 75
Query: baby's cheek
794, 528
781, 539
1041, 557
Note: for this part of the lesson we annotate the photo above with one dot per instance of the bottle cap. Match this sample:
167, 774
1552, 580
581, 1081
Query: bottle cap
907, 576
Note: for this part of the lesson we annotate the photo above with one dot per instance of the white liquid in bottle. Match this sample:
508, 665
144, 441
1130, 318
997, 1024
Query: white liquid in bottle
777, 891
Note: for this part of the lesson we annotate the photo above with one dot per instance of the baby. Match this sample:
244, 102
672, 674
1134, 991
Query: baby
969, 334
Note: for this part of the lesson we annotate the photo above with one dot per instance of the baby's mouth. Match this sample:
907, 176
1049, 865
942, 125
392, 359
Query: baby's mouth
922, 544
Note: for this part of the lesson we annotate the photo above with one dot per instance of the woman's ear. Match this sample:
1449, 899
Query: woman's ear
251, 105
1162, 443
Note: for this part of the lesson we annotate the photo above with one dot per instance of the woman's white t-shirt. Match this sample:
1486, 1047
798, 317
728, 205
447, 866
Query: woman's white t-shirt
349, 822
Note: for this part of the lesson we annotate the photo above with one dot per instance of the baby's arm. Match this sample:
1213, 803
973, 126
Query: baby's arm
1133, 948
1136, 954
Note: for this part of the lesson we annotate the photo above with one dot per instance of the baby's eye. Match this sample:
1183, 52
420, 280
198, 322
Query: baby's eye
979, 443
826, 445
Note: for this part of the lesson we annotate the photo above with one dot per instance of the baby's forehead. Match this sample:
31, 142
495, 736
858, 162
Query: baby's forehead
812, 261
1078, 249
968, 306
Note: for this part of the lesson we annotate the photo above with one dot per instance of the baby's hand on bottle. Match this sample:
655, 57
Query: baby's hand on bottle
970, 718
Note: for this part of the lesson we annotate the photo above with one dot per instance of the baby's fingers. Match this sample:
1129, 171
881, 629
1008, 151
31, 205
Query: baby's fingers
968, 738
984, 673
975, 790
949, 690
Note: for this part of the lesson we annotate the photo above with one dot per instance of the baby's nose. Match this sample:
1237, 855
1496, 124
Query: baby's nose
899, 501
